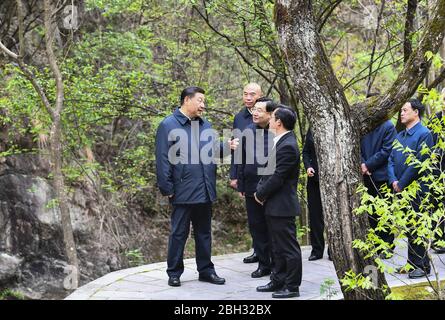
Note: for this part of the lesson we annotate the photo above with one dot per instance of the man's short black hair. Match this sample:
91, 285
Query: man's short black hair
416, 104
263, 99
190, 92
287, 116
270, 104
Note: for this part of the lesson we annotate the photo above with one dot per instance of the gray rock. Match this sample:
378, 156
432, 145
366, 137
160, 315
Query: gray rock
9, 267
33, 259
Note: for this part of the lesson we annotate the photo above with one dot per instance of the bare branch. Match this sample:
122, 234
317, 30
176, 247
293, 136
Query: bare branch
8, 52
376, 34
49, 39
409, 29
327, 12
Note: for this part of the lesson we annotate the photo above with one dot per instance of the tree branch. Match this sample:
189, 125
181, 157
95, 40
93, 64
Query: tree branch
409, 29
376, 110
327, 12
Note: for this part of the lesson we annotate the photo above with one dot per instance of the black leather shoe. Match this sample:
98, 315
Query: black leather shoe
251, 259
174, 281
270, 287
286, 293
313, 257
258, 273
418, 273
212, 278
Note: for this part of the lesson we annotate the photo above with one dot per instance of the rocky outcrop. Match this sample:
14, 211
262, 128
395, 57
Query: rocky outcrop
32, 259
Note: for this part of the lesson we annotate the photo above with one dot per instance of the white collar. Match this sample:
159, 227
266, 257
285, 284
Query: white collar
185, 114
277, 138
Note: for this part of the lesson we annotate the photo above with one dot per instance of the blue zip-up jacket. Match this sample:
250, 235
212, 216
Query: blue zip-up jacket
241, 121
376, 147
254, 157
414, 139
439, 116
190, 180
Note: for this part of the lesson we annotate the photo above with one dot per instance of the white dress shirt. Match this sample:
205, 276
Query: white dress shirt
277, 138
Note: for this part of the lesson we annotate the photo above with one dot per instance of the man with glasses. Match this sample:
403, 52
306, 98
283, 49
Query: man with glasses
256, 143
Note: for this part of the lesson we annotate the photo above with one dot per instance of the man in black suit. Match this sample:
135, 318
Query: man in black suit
316, 219
277, 192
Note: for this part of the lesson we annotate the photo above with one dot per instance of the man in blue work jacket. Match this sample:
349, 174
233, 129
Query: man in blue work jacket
401, 175
187, 175
376, 147
243, 118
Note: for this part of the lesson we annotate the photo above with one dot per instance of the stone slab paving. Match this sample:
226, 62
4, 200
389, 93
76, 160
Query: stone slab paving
149, 282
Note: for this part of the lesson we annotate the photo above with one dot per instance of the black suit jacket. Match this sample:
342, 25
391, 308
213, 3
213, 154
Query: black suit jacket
278, 189
309, 155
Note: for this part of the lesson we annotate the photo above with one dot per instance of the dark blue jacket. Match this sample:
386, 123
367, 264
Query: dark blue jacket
414, 139
254, 155
376, 147
189, 180
440, 151
241, 121
309, 155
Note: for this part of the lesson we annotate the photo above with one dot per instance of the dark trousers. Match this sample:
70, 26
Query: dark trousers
417, 254
200, 215
316, 219
373, 190
258, 229
286, 251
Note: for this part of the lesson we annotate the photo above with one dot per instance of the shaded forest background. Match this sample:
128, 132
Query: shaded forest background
124, 64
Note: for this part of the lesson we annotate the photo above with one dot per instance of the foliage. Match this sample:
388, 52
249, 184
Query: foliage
135, 257
9, 294
327, 289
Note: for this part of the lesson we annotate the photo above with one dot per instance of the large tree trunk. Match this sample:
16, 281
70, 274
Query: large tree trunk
337, 128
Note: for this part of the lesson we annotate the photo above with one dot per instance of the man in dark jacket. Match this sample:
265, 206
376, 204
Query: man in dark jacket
256, 143
188, 178
251, 93
436, 136
277, 192
376, 147
401, 175
316, 219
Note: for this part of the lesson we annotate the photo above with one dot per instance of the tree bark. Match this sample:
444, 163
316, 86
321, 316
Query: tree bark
338, 127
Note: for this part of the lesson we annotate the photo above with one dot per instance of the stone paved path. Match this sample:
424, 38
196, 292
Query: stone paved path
149, 282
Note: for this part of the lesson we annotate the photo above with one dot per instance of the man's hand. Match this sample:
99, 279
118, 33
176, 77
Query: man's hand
395, 186
234, 184
365, 170
242, 195
233, 143
310, 172
257, 200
